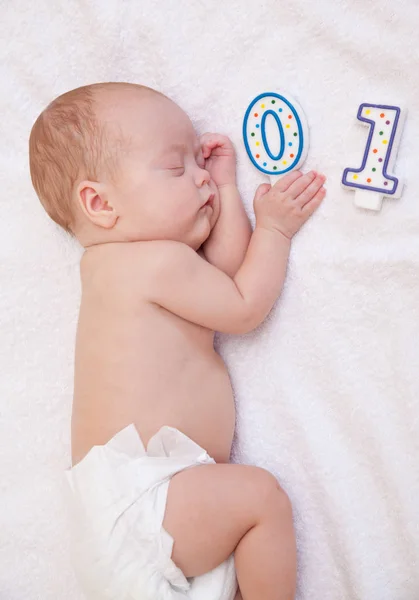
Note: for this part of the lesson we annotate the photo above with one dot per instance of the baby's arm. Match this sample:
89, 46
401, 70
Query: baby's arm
197, 291
228, 241
227, 244
181, 282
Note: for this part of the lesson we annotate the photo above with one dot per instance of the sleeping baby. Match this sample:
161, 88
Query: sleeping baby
157, 511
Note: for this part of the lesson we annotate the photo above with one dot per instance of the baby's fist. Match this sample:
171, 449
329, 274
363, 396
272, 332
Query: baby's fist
220, 158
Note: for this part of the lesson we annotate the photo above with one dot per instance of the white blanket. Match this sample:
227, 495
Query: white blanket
327, 388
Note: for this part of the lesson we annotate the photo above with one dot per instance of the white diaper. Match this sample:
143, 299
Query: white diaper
117, 501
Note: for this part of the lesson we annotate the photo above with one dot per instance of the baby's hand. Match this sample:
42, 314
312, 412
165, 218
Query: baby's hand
220, 158
287, 205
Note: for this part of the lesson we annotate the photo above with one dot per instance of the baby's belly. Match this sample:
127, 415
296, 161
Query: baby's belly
191, 392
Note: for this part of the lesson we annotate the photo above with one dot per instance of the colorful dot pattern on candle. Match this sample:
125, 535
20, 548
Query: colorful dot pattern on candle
373, 174
275, 134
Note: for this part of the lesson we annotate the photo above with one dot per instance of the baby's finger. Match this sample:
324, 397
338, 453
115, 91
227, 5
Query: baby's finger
284, 183
262, 189
206, 147
313, 204
310, 191
301, 184
209, 141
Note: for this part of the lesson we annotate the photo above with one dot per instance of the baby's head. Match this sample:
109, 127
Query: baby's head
119, 162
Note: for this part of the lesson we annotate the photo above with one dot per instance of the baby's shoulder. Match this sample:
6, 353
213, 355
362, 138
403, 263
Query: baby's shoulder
129, 263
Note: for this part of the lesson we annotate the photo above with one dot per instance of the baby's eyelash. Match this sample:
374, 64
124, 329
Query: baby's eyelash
179, 169
200, 161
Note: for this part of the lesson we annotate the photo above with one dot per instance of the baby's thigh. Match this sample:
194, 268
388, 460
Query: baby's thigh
210, 508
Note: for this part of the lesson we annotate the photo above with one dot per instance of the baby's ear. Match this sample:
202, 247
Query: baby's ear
91, 197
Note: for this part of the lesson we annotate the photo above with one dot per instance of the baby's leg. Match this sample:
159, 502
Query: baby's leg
213, 510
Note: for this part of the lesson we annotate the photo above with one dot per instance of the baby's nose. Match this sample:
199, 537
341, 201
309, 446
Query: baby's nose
204, 176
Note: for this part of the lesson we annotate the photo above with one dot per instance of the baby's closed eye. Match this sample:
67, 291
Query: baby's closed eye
177, 170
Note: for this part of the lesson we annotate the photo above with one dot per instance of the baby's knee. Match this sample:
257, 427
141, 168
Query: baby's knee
272, 500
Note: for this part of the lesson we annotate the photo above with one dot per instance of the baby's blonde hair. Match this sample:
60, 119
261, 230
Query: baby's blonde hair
67, 143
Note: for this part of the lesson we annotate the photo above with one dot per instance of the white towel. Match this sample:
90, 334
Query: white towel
327, 388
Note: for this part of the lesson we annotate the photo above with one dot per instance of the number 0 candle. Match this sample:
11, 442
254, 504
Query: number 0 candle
375, 178
275, 134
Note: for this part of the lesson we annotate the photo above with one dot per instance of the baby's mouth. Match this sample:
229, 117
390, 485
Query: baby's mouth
209, 202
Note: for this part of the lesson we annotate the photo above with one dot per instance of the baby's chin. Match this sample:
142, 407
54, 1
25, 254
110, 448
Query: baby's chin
212, 214
201, 233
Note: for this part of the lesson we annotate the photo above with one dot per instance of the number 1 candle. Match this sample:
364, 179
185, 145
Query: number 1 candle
275, 134
375, 178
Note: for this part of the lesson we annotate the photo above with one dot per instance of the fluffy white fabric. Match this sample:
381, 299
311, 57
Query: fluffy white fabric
327, 388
